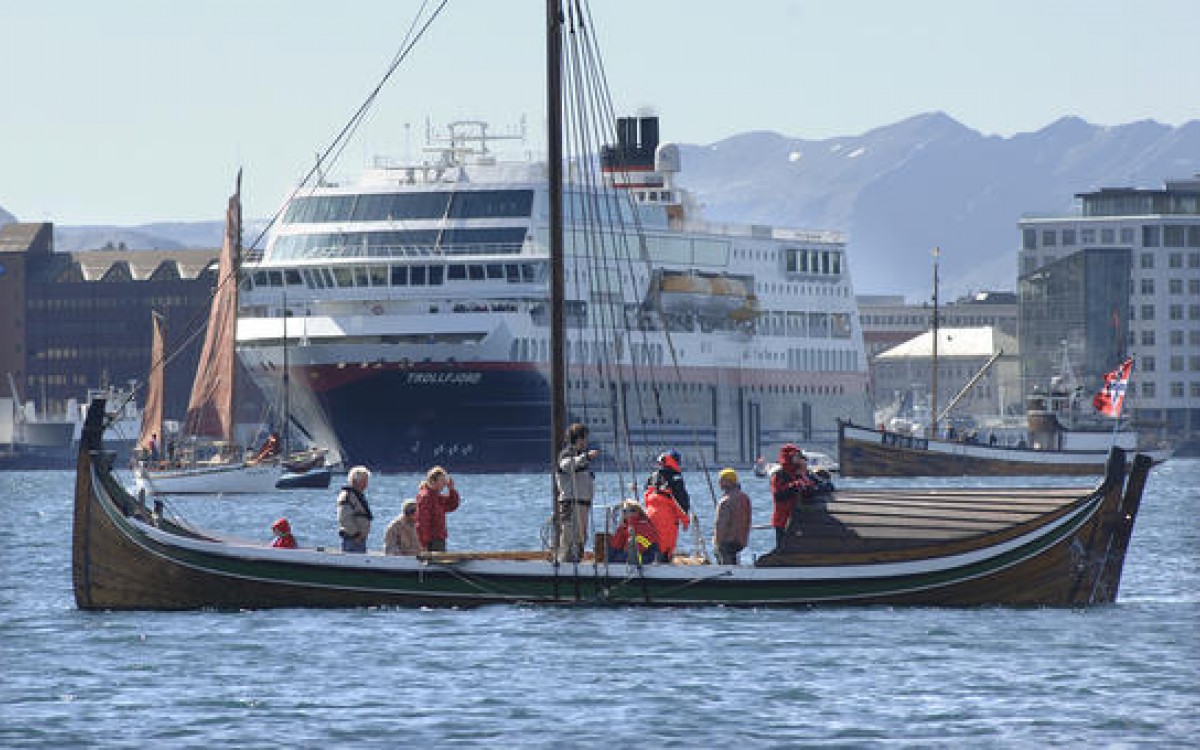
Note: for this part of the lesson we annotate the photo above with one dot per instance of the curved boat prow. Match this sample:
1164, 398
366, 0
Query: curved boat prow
90, 444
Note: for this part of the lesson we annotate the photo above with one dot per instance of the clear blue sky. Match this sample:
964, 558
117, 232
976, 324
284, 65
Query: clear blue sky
124, 111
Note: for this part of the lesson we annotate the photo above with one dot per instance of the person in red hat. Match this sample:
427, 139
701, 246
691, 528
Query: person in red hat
283, 534
791, 482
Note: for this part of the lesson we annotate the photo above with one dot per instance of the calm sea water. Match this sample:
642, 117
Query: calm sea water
1117, 676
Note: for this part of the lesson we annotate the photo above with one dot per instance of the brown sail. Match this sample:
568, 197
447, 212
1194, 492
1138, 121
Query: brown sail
152, 412
210, 408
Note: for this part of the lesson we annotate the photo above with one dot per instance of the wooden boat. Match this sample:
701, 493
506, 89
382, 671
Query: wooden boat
872, 452
314, 477
206, 459
954, 547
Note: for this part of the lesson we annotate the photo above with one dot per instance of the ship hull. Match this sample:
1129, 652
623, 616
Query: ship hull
483, 417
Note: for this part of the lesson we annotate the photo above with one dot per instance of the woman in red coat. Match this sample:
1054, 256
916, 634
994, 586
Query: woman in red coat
636, 528
432, 506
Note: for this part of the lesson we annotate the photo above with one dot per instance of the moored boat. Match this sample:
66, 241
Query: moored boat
204, 458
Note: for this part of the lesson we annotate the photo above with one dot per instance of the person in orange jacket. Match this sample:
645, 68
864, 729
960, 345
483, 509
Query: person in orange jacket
636, 528
663, 507
283, 534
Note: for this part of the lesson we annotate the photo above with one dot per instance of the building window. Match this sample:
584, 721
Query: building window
1148, 389
1148, 338
1195, 390
1147, 312
1029, 239
1068, 237
1149, 235
1194, 312
1175, 286
1175, 260
1147, 363
1194, 362
1087, 236
1148, 286
1127, 235
1176, 389
1176, 312
1049, 238
1194, 259
1174, 235
1147, 260
1108, 236
1176, 363
1176, 338
1194, 287
1029, 264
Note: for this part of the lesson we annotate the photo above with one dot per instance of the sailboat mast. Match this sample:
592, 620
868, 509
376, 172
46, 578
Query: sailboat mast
236, 281
933, 411
554, 20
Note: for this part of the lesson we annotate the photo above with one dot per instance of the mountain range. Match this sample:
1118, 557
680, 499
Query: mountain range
897, 191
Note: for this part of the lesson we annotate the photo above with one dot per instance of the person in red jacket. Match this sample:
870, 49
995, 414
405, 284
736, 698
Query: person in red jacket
636, 534
432, 506
667, 502
283, 534
791, 483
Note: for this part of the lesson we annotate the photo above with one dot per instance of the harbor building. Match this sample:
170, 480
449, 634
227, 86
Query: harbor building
81, 320
1119, 276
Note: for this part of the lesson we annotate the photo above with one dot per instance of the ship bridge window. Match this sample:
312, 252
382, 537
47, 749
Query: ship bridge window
478, 204
291, 277
436, 275
512, 272
456, 272
379, 275
416, 276
360, 276
495, 240
495, 271
344, 277
399, 275
475, 272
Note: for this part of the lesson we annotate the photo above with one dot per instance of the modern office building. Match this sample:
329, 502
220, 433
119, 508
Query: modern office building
1119, 276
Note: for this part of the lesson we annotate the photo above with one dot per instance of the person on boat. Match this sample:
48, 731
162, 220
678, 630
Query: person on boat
401, 535
636, 539
270, 447
283, 534
354, 512
576, 486
791, 483
432, 506
664, 489
152, 448
668, 477
731, 530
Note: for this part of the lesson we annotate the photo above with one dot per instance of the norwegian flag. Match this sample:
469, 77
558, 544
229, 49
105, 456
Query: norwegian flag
1111, 396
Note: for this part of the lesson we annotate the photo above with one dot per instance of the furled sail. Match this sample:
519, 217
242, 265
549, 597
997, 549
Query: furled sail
152, 412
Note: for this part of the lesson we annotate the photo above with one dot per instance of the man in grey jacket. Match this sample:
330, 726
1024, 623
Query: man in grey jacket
576, 486
353, 511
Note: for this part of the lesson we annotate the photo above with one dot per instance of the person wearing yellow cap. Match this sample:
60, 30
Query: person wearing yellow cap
731, 531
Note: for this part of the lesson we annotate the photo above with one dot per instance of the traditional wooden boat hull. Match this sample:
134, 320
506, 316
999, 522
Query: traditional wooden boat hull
218, 479
936, 547
867, 452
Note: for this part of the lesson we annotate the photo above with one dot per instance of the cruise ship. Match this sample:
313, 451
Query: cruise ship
409, 311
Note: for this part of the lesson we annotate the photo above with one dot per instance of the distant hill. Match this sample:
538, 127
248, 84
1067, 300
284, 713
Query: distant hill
927, 181
158, 236
897, 191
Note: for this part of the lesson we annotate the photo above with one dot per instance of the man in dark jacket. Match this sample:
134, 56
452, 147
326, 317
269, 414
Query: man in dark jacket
791, 483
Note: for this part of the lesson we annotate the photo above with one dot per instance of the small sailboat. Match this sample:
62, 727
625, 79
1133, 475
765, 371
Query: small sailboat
204, 458
948, 546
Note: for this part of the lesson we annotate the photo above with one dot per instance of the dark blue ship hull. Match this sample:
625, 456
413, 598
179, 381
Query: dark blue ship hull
396, 418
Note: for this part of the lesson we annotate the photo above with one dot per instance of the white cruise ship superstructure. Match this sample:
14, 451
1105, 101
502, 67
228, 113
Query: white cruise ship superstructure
410, 311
